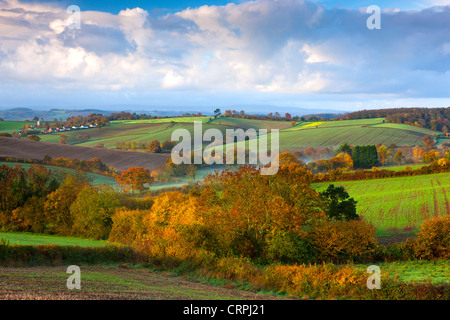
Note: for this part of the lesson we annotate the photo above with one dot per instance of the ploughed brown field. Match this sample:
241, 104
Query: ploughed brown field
121, 160
113, 283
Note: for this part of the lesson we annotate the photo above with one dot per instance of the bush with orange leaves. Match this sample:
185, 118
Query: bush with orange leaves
244, 211
245, 214
170, 229
127, 226
313, 281
433, 240
341, 241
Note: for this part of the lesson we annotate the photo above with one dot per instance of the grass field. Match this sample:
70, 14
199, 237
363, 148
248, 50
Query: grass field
353, 132
24, 238
301, 136
10, 126
162, 120
435, 272
399, 203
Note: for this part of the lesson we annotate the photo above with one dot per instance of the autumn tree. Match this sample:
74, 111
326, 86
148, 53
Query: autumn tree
383, 154
286, 158
253, 215
167, 146
62, 139
428, 142
398, 157
34, 137
92, 211
154, 147
135, 179
58, 219
341, 161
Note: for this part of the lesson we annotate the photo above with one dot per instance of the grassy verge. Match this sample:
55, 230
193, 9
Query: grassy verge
25, 238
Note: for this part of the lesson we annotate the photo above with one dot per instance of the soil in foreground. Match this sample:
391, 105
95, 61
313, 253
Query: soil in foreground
111, 283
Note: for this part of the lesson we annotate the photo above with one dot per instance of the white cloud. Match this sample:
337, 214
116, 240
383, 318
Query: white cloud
289, 46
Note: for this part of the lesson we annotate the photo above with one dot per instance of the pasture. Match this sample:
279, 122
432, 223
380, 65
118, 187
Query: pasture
292, 138
402, 203
10, 126
34, 239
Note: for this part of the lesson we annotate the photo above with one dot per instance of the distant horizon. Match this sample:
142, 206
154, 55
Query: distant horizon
178, 111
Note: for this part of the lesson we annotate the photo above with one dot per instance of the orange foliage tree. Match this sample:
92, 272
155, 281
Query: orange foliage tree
255, 216
134, 179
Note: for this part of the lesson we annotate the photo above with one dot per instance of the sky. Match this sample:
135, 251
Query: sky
172, 54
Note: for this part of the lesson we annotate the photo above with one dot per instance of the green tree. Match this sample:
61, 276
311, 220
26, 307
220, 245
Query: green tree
365, 156
344, 148
338, 204
92, 211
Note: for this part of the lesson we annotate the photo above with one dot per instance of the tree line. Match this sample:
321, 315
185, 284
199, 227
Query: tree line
431, 118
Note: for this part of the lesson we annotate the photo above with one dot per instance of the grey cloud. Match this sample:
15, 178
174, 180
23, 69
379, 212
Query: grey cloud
97, 39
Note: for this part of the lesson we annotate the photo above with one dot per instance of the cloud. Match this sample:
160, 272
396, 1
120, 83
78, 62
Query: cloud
279, 47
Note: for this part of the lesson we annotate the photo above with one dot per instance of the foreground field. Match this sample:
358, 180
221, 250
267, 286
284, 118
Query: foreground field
111, 284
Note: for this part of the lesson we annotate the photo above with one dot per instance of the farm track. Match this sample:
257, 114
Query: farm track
114, 283
121, 160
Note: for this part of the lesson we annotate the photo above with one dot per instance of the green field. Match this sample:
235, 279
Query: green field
353, 132
399, 203
10, 126
162, 120
436, 272
24, 238
301, 136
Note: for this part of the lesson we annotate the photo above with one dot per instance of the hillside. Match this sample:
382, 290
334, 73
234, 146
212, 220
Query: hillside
121, 160
293, 136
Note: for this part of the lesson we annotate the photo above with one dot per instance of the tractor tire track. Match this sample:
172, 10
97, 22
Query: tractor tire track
436, 203
447, 204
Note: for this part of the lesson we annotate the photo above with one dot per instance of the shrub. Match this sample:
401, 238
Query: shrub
341, 241
433, 240
92, 211
289, 248
127, 226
